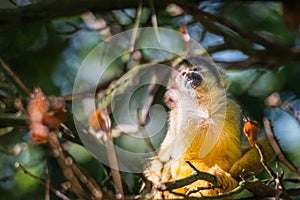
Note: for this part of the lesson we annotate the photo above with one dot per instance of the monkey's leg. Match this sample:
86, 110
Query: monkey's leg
250, 163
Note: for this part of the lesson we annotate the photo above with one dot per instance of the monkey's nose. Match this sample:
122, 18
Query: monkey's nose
192, 79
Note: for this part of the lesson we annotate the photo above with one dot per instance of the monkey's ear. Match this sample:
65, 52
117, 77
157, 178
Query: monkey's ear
170, 100
223, 79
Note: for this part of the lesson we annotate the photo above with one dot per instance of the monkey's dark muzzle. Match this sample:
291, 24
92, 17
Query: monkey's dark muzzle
192, 79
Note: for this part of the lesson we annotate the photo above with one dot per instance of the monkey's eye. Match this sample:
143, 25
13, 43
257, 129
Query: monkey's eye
183, 64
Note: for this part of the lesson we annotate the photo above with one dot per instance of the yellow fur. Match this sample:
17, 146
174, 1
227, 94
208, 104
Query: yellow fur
189, 124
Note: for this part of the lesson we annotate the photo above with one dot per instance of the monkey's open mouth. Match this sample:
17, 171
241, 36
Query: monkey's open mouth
192, 79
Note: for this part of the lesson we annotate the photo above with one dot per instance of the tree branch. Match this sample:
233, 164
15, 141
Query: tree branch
273, 54
50, 9
198, 175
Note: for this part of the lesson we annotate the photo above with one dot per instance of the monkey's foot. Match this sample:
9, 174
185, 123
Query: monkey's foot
224, 179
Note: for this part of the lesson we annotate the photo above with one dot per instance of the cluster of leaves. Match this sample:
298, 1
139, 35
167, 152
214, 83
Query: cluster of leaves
45, 42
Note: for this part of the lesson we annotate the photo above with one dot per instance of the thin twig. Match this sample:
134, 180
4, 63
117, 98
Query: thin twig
142, 115
12, 2
198, 189
248, 63
279, 188
154, 19
47, 186
65, 166
127, 15
226, 195
88, 181
250, 36
143, 131
12, 119
267, 168
18, 81
136, 26
231, 193
115, 173
111, 153
44, 182
277, 149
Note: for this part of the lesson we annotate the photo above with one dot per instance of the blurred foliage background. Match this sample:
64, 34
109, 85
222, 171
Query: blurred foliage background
44, 43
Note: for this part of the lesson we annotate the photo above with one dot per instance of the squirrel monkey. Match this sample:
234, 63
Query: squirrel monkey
204, 129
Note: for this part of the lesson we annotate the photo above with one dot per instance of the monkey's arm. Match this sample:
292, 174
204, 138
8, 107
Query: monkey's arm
250, 162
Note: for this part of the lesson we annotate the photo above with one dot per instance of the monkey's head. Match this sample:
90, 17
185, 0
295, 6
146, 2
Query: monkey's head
195, 77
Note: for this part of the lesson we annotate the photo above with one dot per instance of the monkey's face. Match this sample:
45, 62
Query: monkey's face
196, 74
191, 79
195, 83
186, 83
